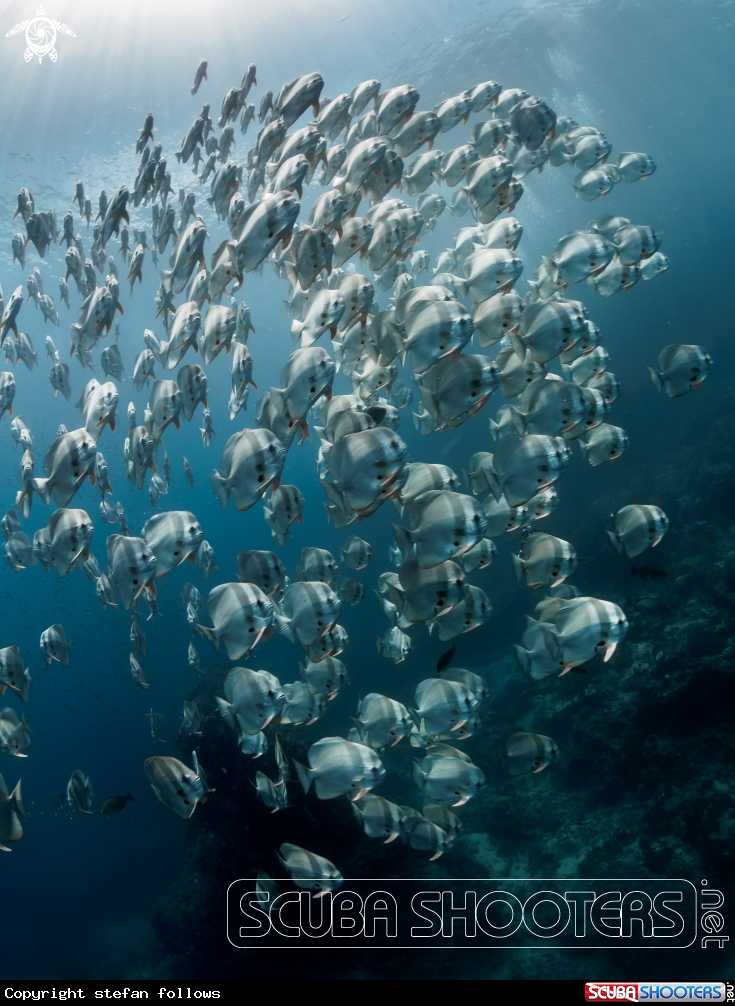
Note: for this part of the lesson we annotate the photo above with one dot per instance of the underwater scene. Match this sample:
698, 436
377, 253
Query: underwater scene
366, 434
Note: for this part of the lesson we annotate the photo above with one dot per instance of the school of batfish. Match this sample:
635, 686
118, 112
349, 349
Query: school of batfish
445, 534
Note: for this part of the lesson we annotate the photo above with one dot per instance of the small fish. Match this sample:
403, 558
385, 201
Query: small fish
529, 753
315, 873
241, 614
395, 645
650, 572
252, 699
79, 792
443, 705
356, 553
176, 785
137, 672
189, 473
191, 720
54, 645
273, 795
338, 766
638, 527
350, 591
649, 605
138, 638
114, 804
155, 720
448, 775
681, 369
381, 721
206, 559
193, 658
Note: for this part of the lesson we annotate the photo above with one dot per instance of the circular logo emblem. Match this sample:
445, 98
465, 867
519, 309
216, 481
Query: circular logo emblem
40, 37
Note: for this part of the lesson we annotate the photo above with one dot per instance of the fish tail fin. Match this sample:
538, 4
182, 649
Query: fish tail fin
519, 347
551, 268
283, 626
129, 796
304, 775
225, 709
522, 657
656, 378
17, 800
518, 565
328, 509
360, 728
219, 484
615, 541
42, 488
296, 327
495, 487
403, 539
209, 634
417, 774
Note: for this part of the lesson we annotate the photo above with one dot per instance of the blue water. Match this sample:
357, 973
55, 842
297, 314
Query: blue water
653, 76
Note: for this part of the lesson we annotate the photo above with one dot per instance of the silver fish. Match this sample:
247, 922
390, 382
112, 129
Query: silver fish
356, 553
252, 699
430, 592
338, 767
317, 565
69, 535
251, 462
681, 369
381, 721
285, 505
302, 704
11, 811
471, 612
241, 614
604, 443
395, 645
380, 818
68, 461
79, 792
177, 786
15, 734
545, 561
308, 611
529, 753
192, 383
173, 537
448, 775
264, 569
132, 567
54, 644
637, 528
315, 873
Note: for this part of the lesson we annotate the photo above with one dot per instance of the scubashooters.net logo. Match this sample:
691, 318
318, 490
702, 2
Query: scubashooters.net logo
40, 36
471, 913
